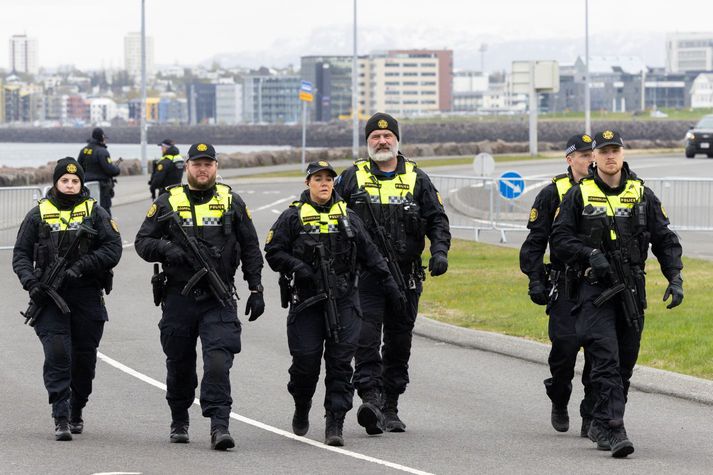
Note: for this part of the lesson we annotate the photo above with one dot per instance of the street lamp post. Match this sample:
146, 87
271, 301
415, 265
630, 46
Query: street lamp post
355, 92
587, 99
142, 109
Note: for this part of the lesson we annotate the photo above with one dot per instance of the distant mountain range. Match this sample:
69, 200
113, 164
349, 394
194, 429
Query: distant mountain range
500, 53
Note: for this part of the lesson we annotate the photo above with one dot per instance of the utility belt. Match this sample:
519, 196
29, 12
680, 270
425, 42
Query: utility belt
199, 292
413, 273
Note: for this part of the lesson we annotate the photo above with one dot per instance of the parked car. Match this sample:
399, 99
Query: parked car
699, 139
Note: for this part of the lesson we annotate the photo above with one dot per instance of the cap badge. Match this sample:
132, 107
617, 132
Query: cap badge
202, 147
71, 168
608, 134
382, 124
586, 138
323, 164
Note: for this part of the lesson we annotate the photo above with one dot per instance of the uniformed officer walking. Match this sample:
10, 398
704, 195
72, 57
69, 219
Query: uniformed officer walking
322, 244
98, 166
64, 253
603, 229
201, 232
400, 207
168, 170
547, 287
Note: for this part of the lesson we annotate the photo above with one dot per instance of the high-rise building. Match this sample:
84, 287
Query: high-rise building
132, 55
228, 104
689, 52
271, 98
23, 54
331, 78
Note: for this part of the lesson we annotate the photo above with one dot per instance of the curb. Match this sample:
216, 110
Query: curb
645, 379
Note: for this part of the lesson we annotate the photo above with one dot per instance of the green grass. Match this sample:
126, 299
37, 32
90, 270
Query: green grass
673, 114
484, 289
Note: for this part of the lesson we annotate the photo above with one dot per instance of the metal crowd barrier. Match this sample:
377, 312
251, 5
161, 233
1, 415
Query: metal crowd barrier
15, 202
474, 203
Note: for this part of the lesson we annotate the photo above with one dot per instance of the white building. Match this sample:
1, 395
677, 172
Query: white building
132, 55
702, 91
689, 52
102, 110
23, 54
228, 104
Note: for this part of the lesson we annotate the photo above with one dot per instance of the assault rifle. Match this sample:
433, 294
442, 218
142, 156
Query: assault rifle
53, 277
202, 266
384, 245
620, 279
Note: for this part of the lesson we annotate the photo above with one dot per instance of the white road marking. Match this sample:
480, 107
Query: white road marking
127, 244
118, 473
276, 211
281, 200
261, 425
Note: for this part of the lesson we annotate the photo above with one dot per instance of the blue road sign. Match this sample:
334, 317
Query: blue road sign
306, 86
511, 185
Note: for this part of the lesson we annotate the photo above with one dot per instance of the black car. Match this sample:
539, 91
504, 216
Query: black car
700, 138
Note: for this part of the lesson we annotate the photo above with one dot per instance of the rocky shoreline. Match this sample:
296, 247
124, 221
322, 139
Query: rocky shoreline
36, 175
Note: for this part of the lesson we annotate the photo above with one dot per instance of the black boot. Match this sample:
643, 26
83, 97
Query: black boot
599, 434
369, 414
61, 429
392, 423
76, 423
586, 422
179, 432
559, 418
619, 442
300, 419
333, 429
220, 439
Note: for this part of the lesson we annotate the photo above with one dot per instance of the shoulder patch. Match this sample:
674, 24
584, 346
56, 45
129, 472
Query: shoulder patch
533, 214
159, 167
114, 226
663, 211
440, 200
247, 211
152, 210
270, 233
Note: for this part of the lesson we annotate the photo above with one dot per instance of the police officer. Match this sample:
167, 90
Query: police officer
214, 219
98, 166
168, 170
314, 237
68, 311
603, 228
392, 195
547, 287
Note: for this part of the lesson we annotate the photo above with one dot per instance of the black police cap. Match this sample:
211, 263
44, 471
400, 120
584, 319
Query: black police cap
166, 143
201, 150
315, 167
381, 121
67, 165
98, 134
578, 143
608, 137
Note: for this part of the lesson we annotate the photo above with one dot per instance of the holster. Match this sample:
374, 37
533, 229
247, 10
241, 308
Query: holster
158, 284
285, 290
571, 282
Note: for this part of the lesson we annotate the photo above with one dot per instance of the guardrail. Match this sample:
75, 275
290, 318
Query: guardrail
16, 201
474, 203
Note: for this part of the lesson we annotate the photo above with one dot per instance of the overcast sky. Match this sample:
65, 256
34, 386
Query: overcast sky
90, 33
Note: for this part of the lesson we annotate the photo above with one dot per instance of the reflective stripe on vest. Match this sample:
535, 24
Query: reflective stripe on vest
63, 220
208, 214
615, 206
386, 192
315, 222
173, 158
563, 185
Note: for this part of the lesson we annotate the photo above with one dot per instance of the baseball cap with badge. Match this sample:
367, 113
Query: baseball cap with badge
166, 143
315, 167
201, 150
578, 143
608, 137
381, 121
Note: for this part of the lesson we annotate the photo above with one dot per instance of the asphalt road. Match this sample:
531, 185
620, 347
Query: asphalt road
467, 411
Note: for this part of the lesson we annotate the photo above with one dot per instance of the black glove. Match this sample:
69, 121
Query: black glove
38, 293
255, 306
74, 272
305, 274
675, 291
395, 299
599, 264
538, 292
174, 255
438, 264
